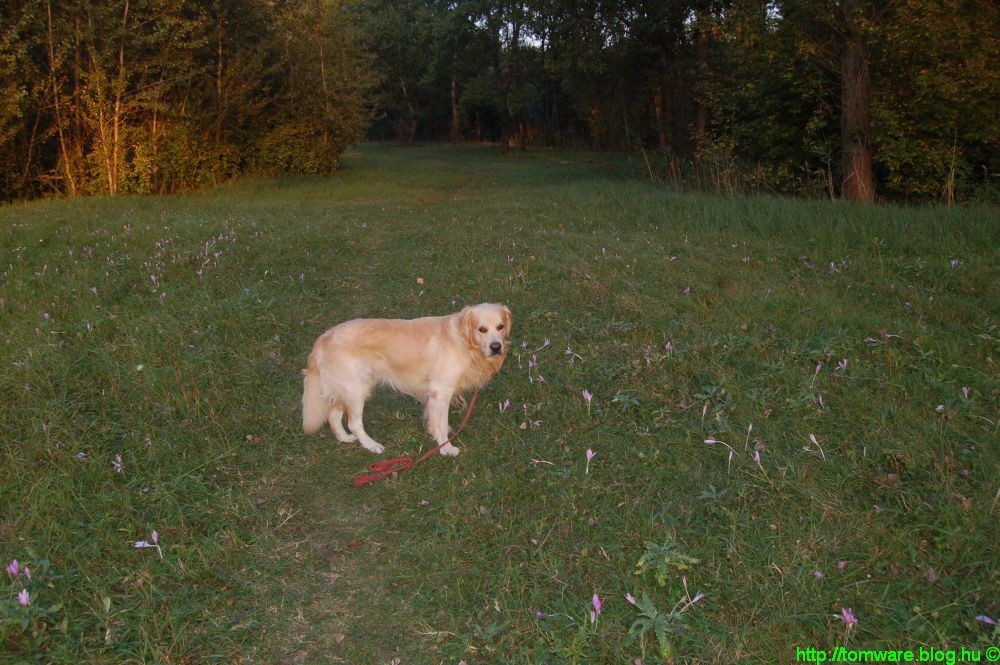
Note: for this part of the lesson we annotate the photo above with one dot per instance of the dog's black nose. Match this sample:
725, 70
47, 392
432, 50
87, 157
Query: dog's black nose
496, 347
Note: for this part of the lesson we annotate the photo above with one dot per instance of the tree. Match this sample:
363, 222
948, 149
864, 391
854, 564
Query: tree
399, 34
13, 101
319, 88
857, 180
936, 118
164, 95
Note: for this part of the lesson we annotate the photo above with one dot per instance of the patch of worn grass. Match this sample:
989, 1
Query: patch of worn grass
171, 331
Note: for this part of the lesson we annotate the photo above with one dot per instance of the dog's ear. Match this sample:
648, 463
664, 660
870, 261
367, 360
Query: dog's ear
467, 327
508, 321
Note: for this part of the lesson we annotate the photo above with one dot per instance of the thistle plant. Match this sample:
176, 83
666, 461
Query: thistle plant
660, 624
663, 559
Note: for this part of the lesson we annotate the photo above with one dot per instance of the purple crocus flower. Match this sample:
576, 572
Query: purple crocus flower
982, 618
143, 544
24, 598
847, 616
596, 612
630, 598
14, 568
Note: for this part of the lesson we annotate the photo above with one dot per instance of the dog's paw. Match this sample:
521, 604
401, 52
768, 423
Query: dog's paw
449, 450
347, 438
373, 446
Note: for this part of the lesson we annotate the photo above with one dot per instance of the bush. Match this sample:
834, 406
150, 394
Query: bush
293, 148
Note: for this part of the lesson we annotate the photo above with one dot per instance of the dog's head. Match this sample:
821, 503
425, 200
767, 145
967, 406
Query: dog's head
487, 327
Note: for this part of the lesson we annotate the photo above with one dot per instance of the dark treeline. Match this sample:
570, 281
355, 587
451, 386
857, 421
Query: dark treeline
839, 98
894, 98
163, 95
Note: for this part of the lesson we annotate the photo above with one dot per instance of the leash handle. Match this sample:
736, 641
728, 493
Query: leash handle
388, 467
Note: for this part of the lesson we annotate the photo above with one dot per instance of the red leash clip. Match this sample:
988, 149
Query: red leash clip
390, 467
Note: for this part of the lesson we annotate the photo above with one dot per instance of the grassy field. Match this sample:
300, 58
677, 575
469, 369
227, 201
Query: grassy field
794, 415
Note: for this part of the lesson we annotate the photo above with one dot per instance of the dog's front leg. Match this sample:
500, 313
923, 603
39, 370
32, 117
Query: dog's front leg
436, 413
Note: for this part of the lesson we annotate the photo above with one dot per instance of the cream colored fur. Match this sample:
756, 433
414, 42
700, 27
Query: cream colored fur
434, 359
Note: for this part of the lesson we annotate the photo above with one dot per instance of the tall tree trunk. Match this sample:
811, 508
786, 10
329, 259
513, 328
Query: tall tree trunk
701, 64
102, 128
117, 117
67, 164
666, 99
456, 131
624, 110
114, 176
412, 132
327, 110
26, 174
219, 96
857, 183
661, 133
555, 117
512, 79
543, 89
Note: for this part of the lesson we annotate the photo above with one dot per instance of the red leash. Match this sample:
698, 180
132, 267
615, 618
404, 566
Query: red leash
389, 467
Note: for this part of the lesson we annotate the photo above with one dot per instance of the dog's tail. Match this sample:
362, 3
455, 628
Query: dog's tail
315, 408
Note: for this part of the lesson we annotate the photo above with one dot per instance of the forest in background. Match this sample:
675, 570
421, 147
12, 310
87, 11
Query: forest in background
887, 98
159, 96
865, 100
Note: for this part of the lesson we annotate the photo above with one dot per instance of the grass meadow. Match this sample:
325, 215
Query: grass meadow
793, 423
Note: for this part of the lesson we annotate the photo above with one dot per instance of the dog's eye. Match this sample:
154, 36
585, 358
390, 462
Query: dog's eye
482, 329
500, 327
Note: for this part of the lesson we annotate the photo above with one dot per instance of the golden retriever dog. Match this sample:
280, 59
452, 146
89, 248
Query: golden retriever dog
434, 359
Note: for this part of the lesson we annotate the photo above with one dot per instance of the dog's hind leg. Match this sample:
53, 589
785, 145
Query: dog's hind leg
355, 406
337, 425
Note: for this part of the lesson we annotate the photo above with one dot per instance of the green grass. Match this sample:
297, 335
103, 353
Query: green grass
269, 554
